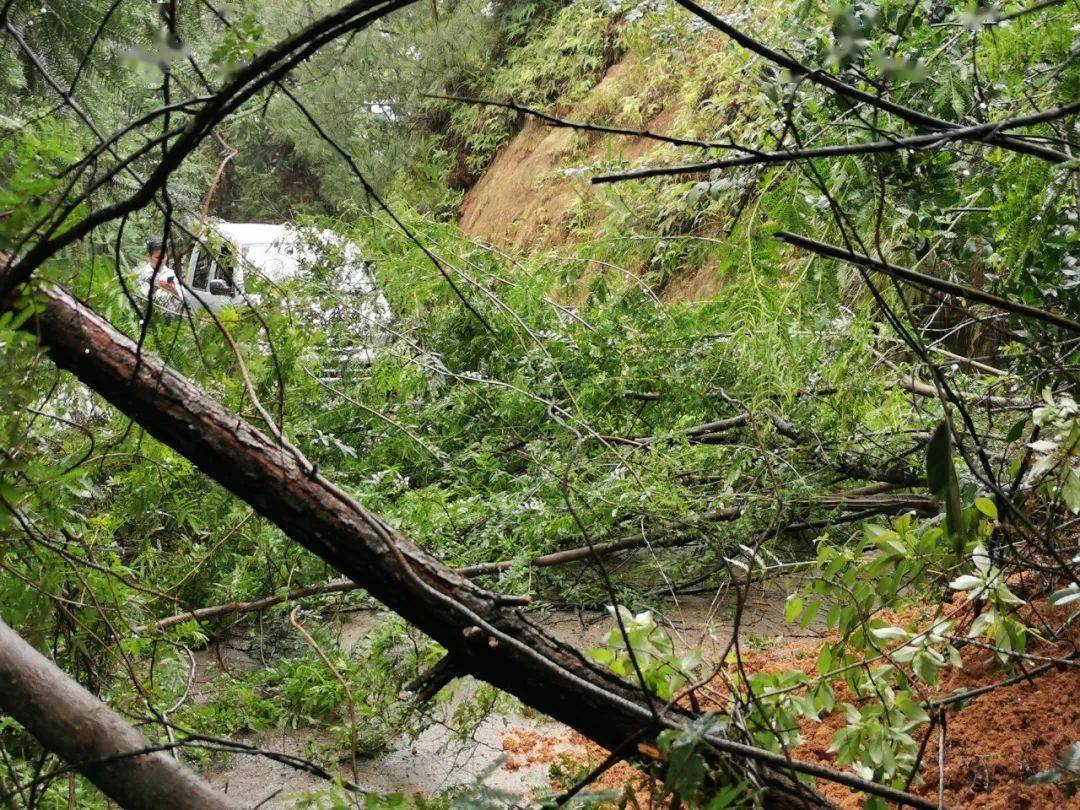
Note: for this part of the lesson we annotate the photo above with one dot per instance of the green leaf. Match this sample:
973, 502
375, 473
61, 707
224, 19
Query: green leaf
890, 634
955, 658
793, 608
942, 482
1044, 777
891, 546
911, 709
9, 493
926, 668
824, 697
1070, 490
686, 765
1065, 595
825, 660
1070, 760
601, 655
981, 624
832, 617
939, 469
987, 507
1017, 430
904, 654
966, 582
727, 796
810, 612
1004, 596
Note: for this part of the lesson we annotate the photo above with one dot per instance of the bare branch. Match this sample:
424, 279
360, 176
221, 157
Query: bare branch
977, 132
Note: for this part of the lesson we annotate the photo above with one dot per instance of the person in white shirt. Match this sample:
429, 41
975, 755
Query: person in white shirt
155, 273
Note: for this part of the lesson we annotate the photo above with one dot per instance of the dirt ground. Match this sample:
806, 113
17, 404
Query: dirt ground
990, 747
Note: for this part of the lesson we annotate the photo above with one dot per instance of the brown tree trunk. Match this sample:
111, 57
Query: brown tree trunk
75, 725
487, 637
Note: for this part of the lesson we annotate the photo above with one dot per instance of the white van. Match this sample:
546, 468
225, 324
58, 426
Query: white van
230, 254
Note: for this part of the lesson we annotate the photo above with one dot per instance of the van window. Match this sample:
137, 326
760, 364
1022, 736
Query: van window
201, 277
225, 265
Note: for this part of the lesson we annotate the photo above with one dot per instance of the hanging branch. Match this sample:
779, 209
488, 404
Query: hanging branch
977, 133
584, 126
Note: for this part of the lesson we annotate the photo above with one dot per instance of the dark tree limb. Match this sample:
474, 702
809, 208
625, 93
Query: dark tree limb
977, 132
860, 505
585, 126
428, 683
899, 475
73, 724
928, 282
585, 552
710, 432
254, 606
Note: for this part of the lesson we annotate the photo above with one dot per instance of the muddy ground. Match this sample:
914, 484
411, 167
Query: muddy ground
509, 752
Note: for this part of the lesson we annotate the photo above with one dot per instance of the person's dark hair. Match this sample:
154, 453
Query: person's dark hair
155, 245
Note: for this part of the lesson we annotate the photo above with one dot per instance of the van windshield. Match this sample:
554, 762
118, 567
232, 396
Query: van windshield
225, 265
214, 264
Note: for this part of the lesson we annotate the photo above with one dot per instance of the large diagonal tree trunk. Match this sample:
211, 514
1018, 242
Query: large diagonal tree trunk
485, 635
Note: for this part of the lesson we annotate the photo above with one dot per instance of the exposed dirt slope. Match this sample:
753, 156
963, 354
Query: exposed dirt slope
527, 197
511, 207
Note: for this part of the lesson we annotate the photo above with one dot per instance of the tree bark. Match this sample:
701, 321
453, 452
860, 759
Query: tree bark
73, 724
489, 638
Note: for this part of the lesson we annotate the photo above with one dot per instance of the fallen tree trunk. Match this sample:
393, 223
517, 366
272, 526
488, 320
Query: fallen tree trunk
922, 389
73, 724
494, 642
709, 432
344, 586
487, 637
599, 549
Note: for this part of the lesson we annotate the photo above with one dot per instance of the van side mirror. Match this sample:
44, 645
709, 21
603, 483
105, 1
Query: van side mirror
219, 286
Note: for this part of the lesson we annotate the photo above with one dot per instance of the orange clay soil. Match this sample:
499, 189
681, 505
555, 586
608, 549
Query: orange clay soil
992, 746
530, 748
